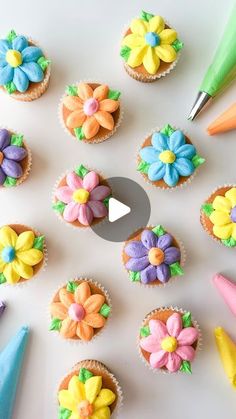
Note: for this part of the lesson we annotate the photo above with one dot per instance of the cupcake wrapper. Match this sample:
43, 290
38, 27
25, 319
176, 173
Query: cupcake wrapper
99, 140
148, 317
108, 299
173, 278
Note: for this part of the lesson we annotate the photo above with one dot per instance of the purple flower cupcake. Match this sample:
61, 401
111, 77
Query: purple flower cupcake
15, 159
152, 256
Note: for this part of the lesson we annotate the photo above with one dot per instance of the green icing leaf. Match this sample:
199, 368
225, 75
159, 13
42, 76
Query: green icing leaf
17, 139
84, 375
229, 242
134, 276
55, 324
186, 367
43, 63
145, 331
71, 286
113, 94
11, 35
198, 160
10, 87
177, 45
72, 90
125, 52
176, 270
39, 243
158, 230
106, 201
79, 133
187, 319
10, 181
143, 167
2, 279
207, 209
59, 206
64, 413
105, 310
81, 171
146, 16
167, 130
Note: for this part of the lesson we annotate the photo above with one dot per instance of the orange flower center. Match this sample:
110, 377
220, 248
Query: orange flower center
1, 157
76, 312
91, 106
156, 256
85, 409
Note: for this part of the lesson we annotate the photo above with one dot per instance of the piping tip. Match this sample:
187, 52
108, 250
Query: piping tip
200, 103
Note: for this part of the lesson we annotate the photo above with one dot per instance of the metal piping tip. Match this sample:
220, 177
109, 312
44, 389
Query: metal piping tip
200, 103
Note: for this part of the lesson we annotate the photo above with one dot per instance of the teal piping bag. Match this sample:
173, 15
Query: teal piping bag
222, 70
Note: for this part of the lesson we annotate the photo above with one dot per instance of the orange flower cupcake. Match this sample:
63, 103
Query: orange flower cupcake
90, 111
79, 310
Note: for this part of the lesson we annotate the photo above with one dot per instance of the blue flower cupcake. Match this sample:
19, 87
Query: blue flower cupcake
24, 69
168, 159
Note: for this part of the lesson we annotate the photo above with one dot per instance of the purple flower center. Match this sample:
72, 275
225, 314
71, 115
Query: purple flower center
90, 106
76, 312
233, 215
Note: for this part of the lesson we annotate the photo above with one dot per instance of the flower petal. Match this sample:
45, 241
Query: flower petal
20, 43
133, 41
67, 400
74, 181
176, 140
15, 153
187, 353
2, 176
33, 71
6, 74
94, 320
64, 194
71, 212
149, 239
58, 310
148, 154
10, 274
172, 255
150, 344
166, 53
174, 325
31, 257
20, 80
163, 273
98, 209
156, 171
84, 331
135, 249
171, 176
93, 387
139, 27
148, 274
8, 236
136, 56
156, 24
3, 62
84, 91
2, 264
187, 336
137, 264
174, 362
77, 389
5, 138
223, 232
231, 196
66, 297
30, 54
4, 46
90, 127
103, 413
90, 181
186, 150
12, 168
109, 105
105, 398
168, 36
164, 241
25, 241
234, 232
101, 92
105, 119
94, 303
76, 119
222, 204
73, 103
99, 193
68, 328
160, 141
158, 329
220, 218
151, 61
85, 216
82, 293
25, 271
184, 166
158, 359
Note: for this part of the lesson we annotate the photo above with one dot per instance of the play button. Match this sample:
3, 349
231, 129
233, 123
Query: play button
128, 210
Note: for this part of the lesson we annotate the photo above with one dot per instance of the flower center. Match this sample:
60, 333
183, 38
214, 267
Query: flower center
1, 157
169, 344
85, 409
76, 312
167, 156
90, 106
8, 254
81, 196
152, 39
233, 215
14, 58
156, 256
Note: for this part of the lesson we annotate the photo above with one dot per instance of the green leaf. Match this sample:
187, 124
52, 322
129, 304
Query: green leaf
186, 367
198, 160
158, 230
43, 62
11, 35
17, 139
146, 16
2, 279
81, 171
71, 286
105, 310
187, 319
55, 324
59, 206
84, 375
207, 209
114, 94
176, 270
10, 87
134, 276
39, 243
10, 181
229, 242
106, 201
125, 52
167, 130
177, 45
143, 167
64, 413
145, 331
72, 90
79, 133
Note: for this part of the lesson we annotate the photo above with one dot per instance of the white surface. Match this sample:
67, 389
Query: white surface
82, 39
117, 210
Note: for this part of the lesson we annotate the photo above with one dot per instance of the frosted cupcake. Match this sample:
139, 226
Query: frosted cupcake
168, 159
90, 111
24, 69
150, 48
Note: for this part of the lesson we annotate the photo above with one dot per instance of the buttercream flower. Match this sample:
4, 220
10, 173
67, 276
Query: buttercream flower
223, 216
152, 256
90, 109
169, 344
10, 156
87, 400
18, 255
78, 312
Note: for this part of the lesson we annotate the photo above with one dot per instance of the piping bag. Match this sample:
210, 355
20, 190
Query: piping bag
222, 70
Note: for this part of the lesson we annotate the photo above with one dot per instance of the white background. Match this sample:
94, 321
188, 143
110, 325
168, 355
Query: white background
82, 39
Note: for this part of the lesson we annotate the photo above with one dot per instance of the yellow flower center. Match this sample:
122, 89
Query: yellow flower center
14, 58
167, 156
156, 256
169, 344
81, 196
85, 409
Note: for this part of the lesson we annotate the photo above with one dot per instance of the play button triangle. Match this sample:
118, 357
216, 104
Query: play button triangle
117, 210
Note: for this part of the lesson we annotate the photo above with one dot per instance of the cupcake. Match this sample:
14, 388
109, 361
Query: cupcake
149, 48
153, 256
79, 310
81, 197
24, 69
168, 159
90, 112
168, 340
218, 215
15, 158
22, 253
